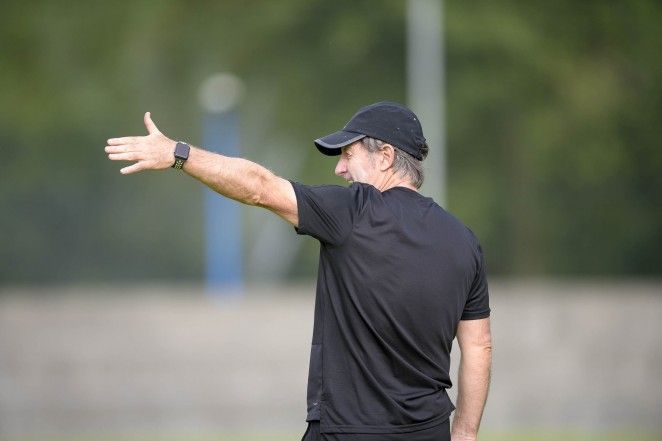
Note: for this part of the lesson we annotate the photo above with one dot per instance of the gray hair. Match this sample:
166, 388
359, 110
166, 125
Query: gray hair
403, 163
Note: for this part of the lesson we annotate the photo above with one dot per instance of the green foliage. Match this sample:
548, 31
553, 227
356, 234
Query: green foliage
564, 169
553, 124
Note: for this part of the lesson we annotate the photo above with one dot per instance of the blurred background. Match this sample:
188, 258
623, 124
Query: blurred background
545, 122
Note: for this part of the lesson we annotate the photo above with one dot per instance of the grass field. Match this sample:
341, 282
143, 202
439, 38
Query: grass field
488, 436
505, 436
510, 436
565, 436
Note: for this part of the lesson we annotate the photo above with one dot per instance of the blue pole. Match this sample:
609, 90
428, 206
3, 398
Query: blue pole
222, 215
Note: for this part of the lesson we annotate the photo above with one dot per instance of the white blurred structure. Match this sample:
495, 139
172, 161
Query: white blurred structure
221, 92
426, 87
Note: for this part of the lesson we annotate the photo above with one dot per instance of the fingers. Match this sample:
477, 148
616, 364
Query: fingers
116, 149
142, 163
149, 124
125, 140
138, 166
129, 156
137, 148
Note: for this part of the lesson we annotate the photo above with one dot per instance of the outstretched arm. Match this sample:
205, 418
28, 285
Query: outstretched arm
236, 178
475, 342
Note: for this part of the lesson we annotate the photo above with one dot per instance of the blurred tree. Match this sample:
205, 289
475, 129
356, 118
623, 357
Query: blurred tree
562, 177
553, 127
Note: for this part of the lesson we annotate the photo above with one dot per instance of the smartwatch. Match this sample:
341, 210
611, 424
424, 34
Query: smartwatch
181, 154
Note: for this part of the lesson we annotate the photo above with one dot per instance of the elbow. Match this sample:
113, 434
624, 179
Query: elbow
257, 195
488, 352
482, 350
486, 346
487, 356
255, 200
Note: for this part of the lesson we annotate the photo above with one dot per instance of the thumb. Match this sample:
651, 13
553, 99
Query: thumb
151, 127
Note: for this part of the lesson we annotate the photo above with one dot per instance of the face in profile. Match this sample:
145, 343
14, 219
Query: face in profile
356, 164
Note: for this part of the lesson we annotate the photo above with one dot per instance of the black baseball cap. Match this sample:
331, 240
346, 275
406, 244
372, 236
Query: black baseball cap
387, 121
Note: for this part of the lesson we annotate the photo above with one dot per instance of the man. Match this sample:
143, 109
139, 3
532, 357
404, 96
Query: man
398, 278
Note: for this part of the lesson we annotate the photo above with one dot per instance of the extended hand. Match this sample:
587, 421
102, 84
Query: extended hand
154, 151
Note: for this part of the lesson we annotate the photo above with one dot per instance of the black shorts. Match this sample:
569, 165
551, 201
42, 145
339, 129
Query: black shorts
440, 432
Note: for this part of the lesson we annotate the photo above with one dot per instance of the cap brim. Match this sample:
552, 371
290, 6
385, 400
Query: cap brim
332, 144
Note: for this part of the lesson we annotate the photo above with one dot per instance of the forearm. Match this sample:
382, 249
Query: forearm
473, 385
236, 178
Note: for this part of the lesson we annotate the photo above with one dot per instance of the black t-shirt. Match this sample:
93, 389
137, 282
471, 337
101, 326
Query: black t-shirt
396, 275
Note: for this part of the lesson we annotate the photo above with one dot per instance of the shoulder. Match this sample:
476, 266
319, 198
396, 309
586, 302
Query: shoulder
357, 193
461, 231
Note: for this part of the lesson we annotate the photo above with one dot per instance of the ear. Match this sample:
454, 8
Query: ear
386, 157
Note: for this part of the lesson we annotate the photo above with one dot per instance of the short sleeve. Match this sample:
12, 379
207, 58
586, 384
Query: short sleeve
326, 212
478, 300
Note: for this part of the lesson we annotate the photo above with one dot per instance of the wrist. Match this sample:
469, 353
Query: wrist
462, 437
463, 432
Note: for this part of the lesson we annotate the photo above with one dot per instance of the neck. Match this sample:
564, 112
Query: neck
391, 180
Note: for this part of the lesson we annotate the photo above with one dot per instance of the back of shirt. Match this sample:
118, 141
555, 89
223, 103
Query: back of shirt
396, 275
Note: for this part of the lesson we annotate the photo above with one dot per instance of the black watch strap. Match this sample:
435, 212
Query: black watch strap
181, 154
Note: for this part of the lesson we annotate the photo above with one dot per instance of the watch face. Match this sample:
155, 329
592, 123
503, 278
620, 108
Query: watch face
181, 150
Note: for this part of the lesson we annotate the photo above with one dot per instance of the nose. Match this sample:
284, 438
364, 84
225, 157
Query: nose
341, 167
